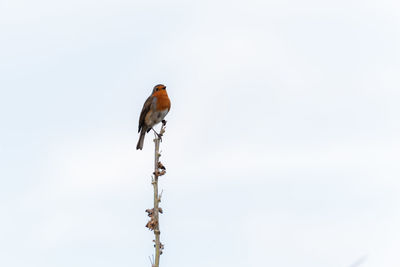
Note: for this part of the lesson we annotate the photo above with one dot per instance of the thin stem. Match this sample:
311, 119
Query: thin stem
154, 223
156, 201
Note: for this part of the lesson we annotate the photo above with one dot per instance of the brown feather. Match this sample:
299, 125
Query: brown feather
145, 110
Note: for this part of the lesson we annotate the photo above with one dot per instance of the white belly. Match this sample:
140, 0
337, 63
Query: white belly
155, 117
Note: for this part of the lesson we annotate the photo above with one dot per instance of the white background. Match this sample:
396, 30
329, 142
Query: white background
282, 143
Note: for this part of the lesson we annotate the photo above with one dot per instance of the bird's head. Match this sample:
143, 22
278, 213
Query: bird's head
159, 88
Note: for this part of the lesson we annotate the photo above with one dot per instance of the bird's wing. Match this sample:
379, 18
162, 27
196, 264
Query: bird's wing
145, 109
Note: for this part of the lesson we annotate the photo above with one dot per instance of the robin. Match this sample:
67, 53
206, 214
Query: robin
154, 111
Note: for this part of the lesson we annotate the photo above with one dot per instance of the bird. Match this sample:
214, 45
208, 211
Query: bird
153, 112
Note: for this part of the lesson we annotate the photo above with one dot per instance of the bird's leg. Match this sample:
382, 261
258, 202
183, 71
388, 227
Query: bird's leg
158, 135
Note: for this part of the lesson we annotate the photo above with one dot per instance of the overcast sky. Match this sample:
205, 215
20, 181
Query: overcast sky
282, 143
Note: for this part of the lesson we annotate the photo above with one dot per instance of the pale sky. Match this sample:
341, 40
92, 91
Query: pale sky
282, 143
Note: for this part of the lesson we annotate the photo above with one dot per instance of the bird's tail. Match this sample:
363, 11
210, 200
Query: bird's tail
141, 140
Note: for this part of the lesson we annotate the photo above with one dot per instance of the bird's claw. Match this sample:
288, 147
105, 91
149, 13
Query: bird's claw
158, 135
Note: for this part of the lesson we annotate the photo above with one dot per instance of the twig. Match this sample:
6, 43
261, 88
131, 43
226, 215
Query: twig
154, 223
360, 261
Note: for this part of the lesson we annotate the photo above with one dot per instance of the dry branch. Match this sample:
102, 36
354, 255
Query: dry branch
154, 223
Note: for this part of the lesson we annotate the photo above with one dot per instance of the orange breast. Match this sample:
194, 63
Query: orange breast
163, 101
